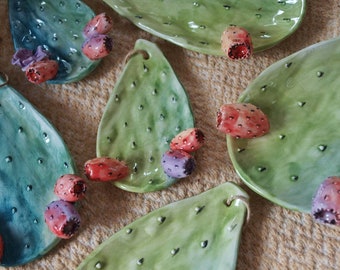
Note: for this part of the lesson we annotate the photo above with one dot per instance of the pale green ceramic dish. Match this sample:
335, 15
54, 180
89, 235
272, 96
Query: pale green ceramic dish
198, 233
300, 94
147, 108
32, 157
198, 25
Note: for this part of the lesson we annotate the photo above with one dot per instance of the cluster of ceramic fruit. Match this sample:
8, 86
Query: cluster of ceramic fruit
38, 65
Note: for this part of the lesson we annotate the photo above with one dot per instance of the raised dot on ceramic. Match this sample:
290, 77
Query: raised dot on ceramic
204, 244
21, 105
98, 265
322, 147
174, 251
261, 169
140, 261
128, 231
161, 219
227, 7
294, 178
8, 159
66, 165
14, 210
29, 187
40, 161
301, 103
198, 209
319, 74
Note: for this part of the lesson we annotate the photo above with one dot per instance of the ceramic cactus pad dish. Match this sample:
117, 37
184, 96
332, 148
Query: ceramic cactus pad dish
201, 232
198, 25
300, 95
147, 108
32, 157
57, 27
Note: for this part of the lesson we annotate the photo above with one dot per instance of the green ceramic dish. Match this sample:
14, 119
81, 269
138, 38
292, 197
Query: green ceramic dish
32, 157
198, 25
300, 95
147, 108
198, 233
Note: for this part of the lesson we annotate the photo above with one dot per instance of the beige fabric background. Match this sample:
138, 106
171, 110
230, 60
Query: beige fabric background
275, 238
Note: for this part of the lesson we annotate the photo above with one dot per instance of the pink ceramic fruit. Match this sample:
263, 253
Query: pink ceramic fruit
326, 202
100, 24
188, 140
105, 169
62, 218
236, 43
242, 120
178, 163
42, 71
70, 187
97, 46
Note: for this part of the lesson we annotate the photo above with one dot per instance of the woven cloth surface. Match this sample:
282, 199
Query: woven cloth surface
274, 238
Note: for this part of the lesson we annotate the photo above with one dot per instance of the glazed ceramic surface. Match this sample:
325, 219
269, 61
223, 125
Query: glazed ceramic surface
201, 232
146, 109
56, 26
32, 157
300, 95
198, 25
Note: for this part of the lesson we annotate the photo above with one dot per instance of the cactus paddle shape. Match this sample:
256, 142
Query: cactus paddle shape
300, 96
32, 157
56, 26
146, 109
198, 25
201, 232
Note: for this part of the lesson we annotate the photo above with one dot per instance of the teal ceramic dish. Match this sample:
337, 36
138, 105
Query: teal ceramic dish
198, 25
32, 157
300, 95
56, 26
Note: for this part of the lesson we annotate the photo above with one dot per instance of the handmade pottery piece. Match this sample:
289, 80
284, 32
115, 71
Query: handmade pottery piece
56, 26
146, 109
198, 25
201, 232
300, 96
32, 157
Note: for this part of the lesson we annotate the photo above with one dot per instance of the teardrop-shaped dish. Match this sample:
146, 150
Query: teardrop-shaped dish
147, 108
56, 26
198, 25
32, 157
300, 95
198, 233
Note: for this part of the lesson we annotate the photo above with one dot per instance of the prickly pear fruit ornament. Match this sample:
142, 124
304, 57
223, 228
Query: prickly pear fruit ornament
32, 157
326, 201
57, 26
147, 108
205, 234
300, 96
198, 25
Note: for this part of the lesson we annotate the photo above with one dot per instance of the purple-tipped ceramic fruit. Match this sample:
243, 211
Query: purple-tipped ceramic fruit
70, 187
100, 24
236, 43
178, 163
97, 46
326, 202
62, 218
188, 140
